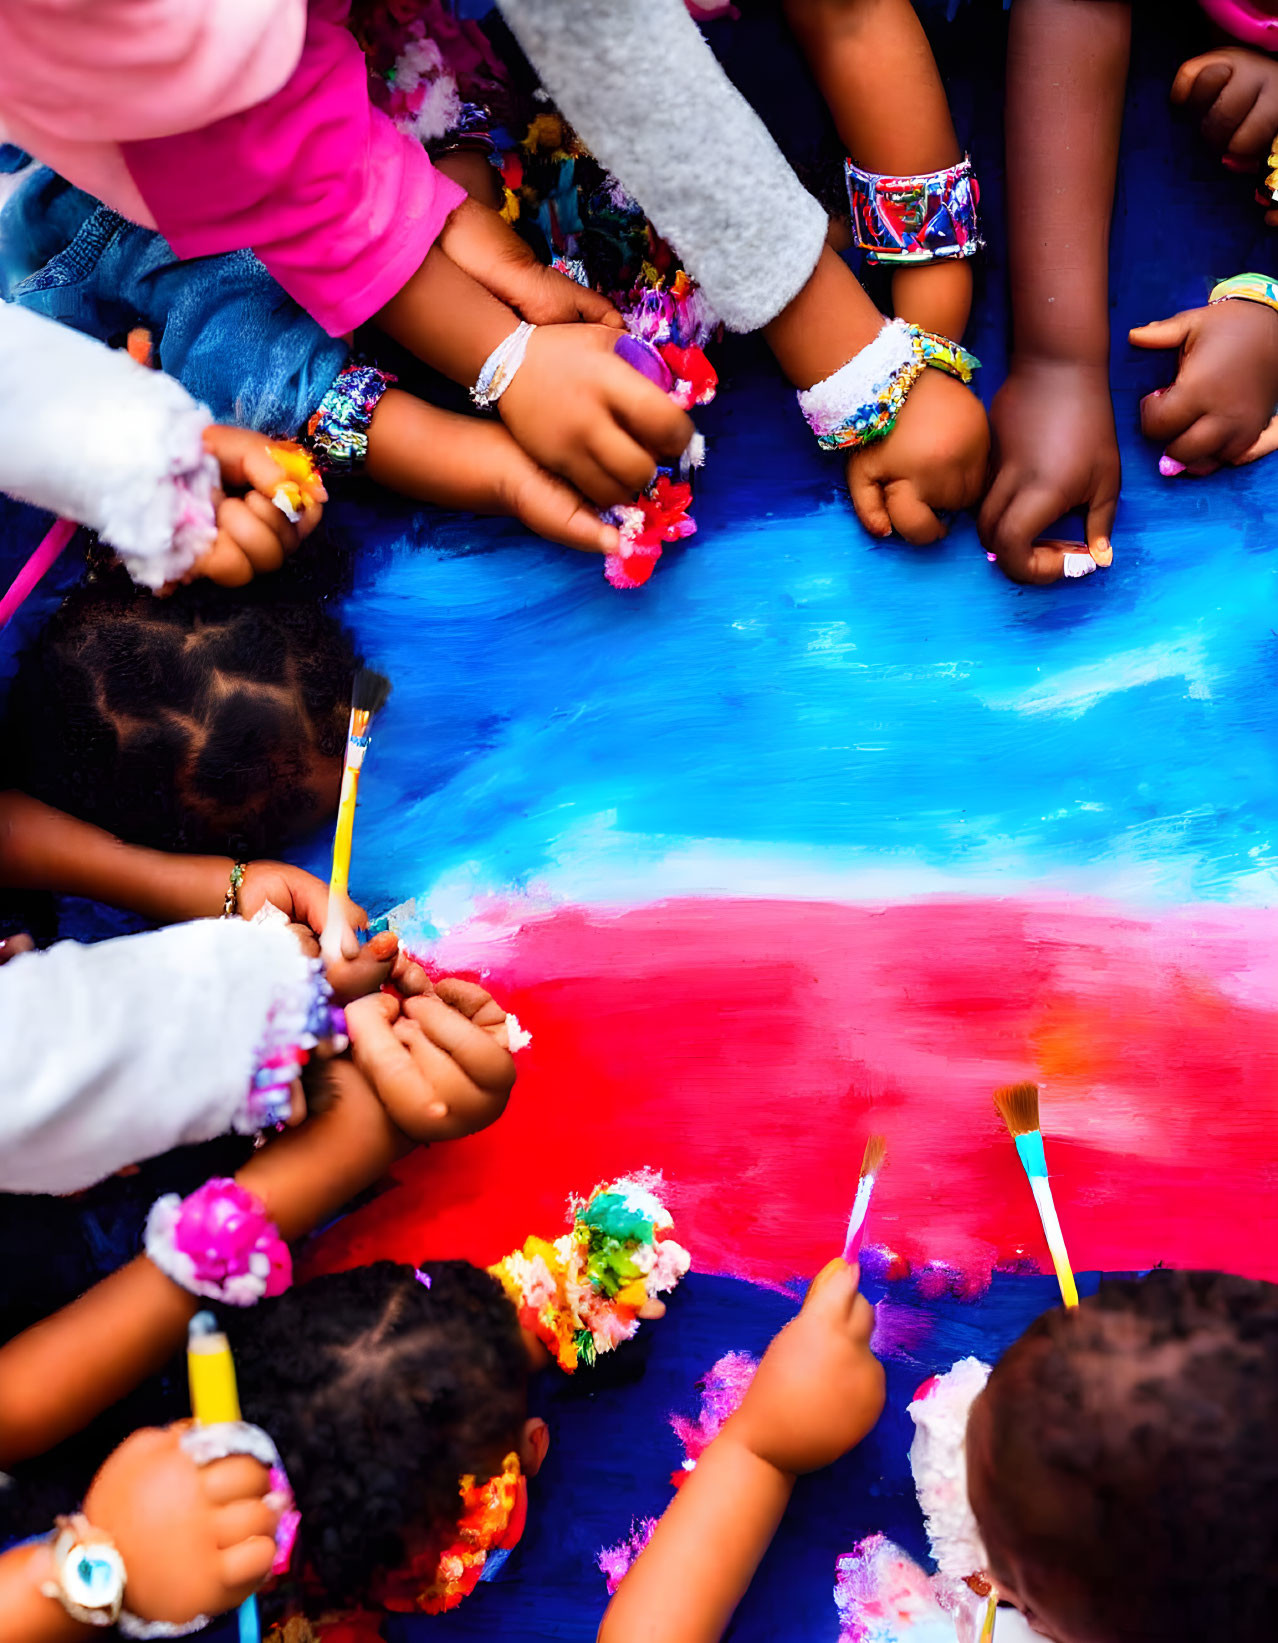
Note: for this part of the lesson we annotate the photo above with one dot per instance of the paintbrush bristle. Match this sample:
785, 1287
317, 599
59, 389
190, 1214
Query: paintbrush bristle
369, 692
873, 1156
1018, 1104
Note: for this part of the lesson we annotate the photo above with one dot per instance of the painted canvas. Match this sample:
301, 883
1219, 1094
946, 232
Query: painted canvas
809, 838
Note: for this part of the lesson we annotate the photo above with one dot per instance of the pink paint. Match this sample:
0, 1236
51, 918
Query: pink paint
884, 1597
746, 1047
722, 1390
615, 1561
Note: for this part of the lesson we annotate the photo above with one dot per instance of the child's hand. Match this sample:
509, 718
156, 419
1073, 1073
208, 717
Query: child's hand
441, 1063
1055, 449
298, 894
1233, 94
194, 1540
482, 243
581, 411
253, 535
935, 459
819, 1389
1226, 386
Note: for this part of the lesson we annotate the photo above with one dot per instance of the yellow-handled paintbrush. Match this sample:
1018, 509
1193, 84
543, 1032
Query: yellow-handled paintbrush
368, 697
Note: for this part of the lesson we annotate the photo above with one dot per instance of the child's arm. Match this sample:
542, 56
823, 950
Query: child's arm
817, 1393
43, 849
1056, 446
465, 462
574, 406
877, 74
56, 1376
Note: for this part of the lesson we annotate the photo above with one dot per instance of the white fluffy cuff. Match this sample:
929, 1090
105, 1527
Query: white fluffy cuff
92, 436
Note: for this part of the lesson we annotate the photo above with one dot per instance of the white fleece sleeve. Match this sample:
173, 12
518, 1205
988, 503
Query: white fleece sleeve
93, 436
648, 98
116, 1052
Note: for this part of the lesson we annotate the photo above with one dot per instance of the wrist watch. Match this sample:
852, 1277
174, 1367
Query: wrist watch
88, 1573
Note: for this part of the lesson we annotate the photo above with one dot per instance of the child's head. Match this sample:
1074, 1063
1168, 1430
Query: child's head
208, 722
381, 1393
1123, 1464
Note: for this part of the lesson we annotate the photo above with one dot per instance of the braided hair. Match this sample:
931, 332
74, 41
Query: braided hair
381, 1394
190, 723
1133, 1459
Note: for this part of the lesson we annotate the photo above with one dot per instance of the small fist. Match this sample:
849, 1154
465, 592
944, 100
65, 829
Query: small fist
933, 462
1233, 94
1226, 390
440, 1062
1055, 450
194, 1540
253, 534
819, 1388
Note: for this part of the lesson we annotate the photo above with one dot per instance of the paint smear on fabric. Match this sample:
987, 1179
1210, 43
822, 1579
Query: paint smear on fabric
745, 1047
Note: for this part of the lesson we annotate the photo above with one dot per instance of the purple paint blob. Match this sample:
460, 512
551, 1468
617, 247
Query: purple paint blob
645, 359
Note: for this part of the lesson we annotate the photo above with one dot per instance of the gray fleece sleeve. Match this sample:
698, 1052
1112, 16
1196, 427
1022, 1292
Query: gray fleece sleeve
648, 98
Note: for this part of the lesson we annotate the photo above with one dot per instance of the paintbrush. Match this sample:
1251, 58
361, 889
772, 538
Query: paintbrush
214, 1398
1018, 1104
368, 697
991, 1614
871, 1163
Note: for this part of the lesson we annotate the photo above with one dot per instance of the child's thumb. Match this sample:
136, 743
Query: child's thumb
1161, 333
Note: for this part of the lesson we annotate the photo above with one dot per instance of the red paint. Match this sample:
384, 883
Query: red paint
746, 1048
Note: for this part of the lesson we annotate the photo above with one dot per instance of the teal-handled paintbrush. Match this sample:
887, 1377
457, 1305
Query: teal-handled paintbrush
1018, 1105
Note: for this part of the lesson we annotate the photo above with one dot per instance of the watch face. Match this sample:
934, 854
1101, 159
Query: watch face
93, 1576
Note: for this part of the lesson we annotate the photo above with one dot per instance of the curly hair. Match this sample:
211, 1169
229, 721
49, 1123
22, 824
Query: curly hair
1134, 1452
188, 723
381, 1394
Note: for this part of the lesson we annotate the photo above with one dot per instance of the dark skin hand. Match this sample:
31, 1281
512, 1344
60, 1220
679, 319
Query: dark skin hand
1233, 96
1226, 387
1056, 449
1055, 445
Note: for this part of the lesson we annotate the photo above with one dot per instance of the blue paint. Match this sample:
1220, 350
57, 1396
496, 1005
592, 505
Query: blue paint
1030, 1147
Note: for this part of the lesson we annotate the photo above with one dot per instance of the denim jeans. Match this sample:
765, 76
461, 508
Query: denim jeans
220, 325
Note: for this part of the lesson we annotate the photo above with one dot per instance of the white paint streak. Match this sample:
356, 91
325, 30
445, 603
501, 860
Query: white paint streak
1073, 691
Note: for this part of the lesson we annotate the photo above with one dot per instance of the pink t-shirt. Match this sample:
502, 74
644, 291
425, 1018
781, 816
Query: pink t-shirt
288, 157
339, 205
78, 77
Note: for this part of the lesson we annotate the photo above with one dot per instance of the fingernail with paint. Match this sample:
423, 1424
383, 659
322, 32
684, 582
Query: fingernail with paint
1169, 467
993, 558
1103, 552
1078, 564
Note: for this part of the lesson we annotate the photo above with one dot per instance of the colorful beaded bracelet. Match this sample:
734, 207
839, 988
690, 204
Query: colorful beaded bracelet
861, 401
338, 432
915, 219
1247, 288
